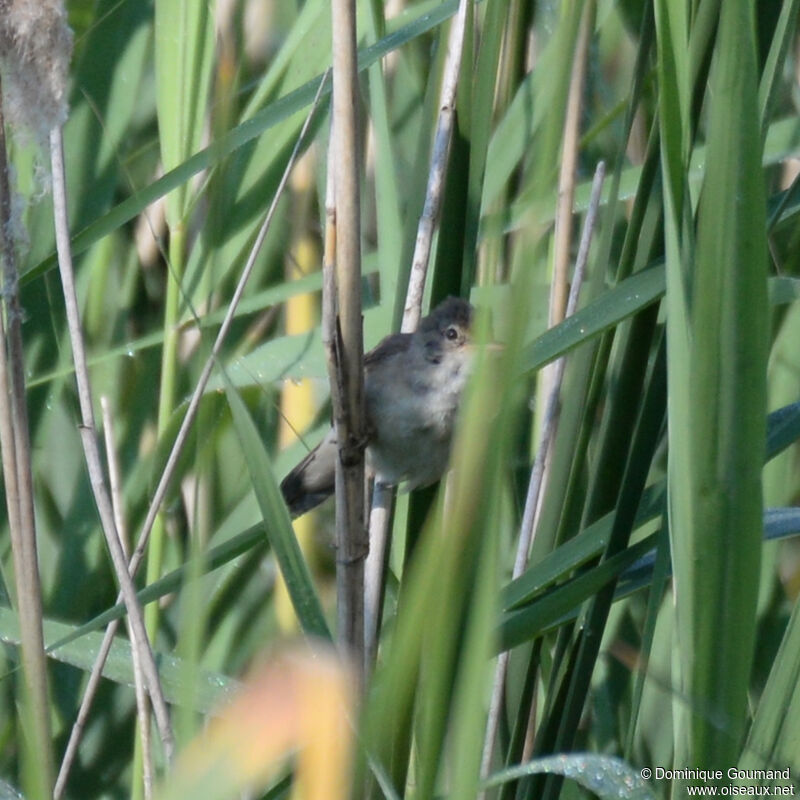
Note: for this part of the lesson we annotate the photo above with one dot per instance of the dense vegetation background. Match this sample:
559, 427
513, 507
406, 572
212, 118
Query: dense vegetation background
657, 624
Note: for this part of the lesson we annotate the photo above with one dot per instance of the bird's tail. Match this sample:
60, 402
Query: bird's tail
312, 480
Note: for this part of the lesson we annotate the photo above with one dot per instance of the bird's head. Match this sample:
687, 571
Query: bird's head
446, 330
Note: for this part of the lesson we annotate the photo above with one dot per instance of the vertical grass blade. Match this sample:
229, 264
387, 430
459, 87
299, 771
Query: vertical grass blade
772, 742
276, 520
184, 53
717, 326
387, 197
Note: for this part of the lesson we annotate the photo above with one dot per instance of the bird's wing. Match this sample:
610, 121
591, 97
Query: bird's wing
391, 345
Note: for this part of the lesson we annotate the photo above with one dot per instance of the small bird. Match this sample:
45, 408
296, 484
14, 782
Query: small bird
412, 390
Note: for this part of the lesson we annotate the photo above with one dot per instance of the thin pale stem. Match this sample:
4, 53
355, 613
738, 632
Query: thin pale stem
79, 725
92, 451
383, 496
380, 516
551, 414
549, 425
142, 706
566, 178
177, 449
562, 234
435, 190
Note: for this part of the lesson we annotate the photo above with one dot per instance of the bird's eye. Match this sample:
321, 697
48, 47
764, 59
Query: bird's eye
451, 333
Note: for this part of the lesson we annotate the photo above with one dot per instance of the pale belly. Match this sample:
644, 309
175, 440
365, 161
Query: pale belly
411, 432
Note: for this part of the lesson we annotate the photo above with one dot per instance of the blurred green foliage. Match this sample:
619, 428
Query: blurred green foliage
609, 654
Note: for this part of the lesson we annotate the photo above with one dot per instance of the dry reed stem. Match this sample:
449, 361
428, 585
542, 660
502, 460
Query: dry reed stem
380, 518
566, 179
346, 369
562, 234
564, 206
79, 725
412, 310
549, 424
142, 705
91, 449
175, 452
18, 481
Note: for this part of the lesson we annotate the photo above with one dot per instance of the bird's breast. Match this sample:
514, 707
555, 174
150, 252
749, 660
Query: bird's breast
411, 416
